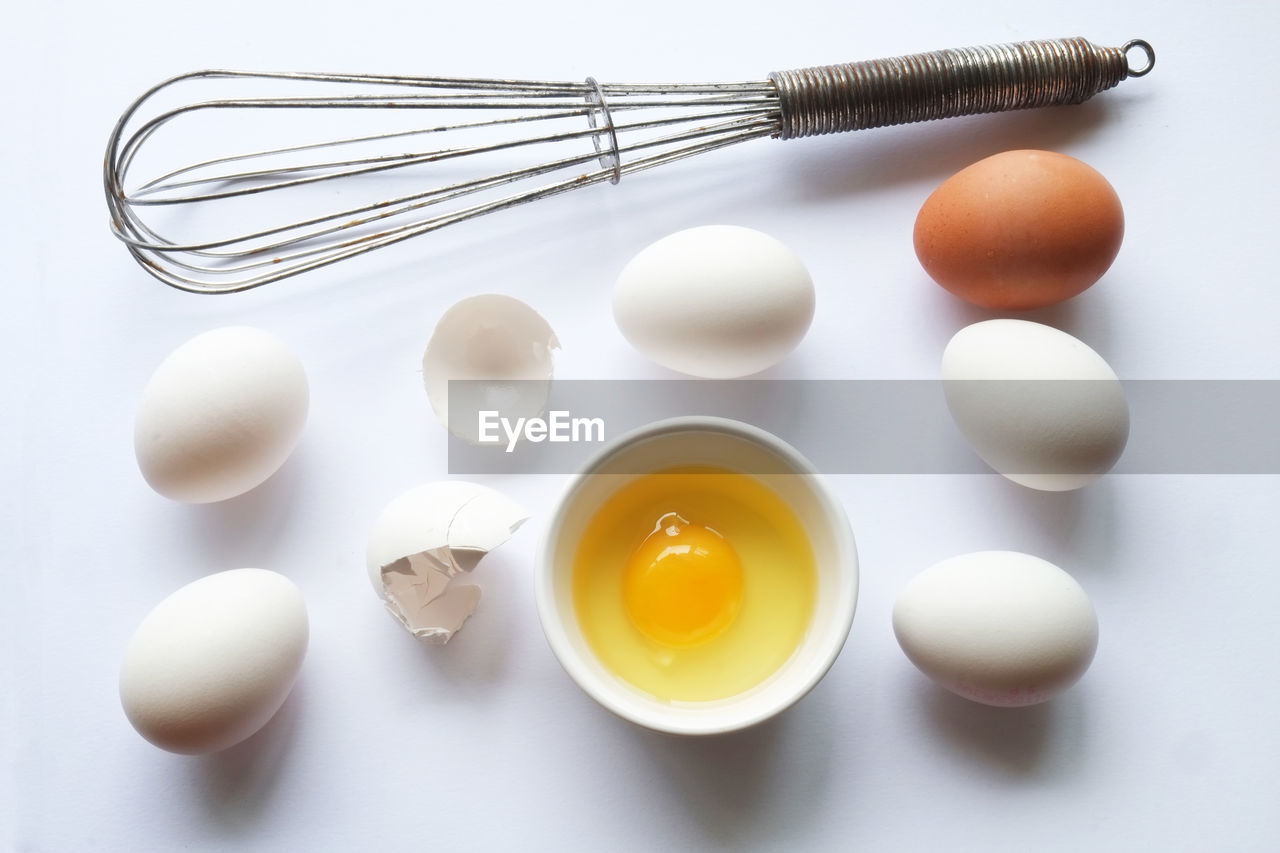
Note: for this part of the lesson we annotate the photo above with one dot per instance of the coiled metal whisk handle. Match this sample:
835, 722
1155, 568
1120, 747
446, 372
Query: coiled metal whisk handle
948, 83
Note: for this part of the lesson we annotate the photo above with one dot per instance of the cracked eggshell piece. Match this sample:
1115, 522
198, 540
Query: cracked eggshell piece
501, 345
220, 415
425, 539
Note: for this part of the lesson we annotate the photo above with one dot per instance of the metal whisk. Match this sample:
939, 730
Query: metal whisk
220, 222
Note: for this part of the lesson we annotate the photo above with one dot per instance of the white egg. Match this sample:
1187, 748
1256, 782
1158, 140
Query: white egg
213, 662
501, 349
424, 540
998, 627
718, 301
220, 415
1036, 404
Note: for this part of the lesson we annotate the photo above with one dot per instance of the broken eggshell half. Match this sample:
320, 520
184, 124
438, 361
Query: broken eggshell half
501, 349
424, 540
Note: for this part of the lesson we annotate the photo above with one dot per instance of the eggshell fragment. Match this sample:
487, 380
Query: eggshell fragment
1020, 230
1038, 405
425, 539
998, 627
502, 347
719, 301
220, 415
213, 662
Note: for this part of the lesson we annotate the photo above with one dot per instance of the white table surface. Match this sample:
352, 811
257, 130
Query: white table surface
1169, 743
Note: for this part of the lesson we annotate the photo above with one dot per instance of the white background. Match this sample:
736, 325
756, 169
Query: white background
1169, 743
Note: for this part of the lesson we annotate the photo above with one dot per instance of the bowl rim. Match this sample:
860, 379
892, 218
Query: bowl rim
717, 718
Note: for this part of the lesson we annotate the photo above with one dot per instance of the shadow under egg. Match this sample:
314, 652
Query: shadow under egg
1032, 742
238, 782
245, 530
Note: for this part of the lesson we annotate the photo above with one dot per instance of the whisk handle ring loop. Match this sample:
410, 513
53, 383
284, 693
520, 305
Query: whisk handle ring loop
1148, 51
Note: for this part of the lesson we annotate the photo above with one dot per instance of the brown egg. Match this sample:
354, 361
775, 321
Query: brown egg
1020, 230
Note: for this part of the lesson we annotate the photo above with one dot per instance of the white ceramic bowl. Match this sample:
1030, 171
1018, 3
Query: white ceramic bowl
737, 447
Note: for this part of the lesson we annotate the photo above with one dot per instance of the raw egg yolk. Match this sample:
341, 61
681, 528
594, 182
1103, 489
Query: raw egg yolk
683, 585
